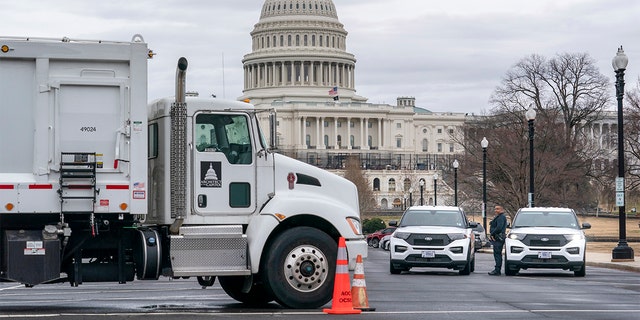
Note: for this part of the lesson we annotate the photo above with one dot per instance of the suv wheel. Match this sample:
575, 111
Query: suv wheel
582, 272
375, 242
393, 270
509, 269
467, 268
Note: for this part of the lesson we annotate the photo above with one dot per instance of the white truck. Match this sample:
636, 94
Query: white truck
96, 185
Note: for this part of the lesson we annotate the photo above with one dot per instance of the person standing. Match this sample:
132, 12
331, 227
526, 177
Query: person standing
498, 228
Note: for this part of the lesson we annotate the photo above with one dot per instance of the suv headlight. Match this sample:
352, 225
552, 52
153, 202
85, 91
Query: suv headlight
571, 237
401, 235
517, 236
457, 236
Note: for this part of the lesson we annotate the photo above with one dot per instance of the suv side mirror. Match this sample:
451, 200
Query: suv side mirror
473, 224
586, 225
393, 223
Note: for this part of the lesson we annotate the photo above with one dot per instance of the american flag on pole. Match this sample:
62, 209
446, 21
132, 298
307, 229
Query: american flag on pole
333, 91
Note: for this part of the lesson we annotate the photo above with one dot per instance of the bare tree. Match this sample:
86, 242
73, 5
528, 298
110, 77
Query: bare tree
354, 173
568, 93
568, 86
632, 137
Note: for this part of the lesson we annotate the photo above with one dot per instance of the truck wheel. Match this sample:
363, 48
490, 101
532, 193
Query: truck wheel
206, 281
299, 268
257, 295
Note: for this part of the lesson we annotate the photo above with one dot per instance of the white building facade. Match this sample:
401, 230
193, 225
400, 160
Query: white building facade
300, 66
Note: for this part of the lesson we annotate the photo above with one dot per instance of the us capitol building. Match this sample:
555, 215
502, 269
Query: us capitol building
300, 66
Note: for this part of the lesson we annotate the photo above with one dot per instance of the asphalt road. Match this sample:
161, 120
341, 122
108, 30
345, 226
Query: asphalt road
418, 294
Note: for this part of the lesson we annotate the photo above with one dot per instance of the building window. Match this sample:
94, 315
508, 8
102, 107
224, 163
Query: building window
399, 125
439, 130
369, 124
307, 124
450, 147
297, 40
439, 147
326, 140
326, 124
289, 40
369, 141
339, 124
398, 142
407, 184
392, 184
425, 145
352, 124
450, 131
339, 141
352, 140
307, 140
376, 184
424, 131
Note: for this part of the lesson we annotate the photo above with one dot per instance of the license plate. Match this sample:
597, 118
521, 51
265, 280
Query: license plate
544, 255
428, 254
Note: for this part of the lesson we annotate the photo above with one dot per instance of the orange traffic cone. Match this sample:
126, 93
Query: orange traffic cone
341, 303
359, 288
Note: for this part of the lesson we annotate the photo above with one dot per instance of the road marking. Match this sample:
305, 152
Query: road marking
245, 314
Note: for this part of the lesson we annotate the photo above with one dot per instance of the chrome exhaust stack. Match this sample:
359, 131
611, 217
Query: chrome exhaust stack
178, 145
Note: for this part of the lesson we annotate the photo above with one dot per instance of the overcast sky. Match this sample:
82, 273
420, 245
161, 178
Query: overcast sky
449, 55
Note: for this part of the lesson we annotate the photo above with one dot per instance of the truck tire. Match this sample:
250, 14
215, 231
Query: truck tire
299, 268
257, 295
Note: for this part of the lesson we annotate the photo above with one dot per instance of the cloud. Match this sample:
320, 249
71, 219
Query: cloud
450, 55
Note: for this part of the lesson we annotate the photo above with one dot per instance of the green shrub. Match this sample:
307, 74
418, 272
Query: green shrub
372, 225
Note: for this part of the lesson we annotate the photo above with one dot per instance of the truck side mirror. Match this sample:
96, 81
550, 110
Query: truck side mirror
273, 137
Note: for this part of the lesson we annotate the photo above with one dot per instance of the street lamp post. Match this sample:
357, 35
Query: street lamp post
531, 117
455, 182
622, 252
421, 190
410, 197
435, 189
484, 143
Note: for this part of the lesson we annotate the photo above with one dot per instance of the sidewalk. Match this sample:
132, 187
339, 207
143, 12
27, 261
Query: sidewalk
603, 260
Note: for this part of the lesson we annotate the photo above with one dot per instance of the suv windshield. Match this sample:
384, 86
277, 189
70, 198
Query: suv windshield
440, 218
546, 219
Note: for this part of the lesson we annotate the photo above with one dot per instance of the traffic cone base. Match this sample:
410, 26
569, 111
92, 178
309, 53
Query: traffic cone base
342, 303
359, 288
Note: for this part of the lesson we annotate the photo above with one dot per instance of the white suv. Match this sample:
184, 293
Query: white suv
546, 238
430, 236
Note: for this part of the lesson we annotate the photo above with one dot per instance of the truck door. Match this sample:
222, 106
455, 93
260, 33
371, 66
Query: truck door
224, 164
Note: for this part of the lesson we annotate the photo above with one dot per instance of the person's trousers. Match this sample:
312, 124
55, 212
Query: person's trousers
497, 254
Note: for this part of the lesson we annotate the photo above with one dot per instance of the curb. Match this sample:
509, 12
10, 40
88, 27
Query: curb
613, 265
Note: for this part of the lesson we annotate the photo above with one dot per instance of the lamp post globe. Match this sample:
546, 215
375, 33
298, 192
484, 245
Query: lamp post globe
455, 181
622, 252
531, 117
484, 144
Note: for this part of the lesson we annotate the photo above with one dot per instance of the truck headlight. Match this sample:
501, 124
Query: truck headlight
355, 225
401, 235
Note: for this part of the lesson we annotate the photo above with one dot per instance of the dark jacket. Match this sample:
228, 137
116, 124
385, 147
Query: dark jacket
498, 227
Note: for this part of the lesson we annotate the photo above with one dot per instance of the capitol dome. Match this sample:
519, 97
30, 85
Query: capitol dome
299, 53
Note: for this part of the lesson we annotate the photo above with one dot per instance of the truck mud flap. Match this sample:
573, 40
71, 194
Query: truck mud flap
29, 258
